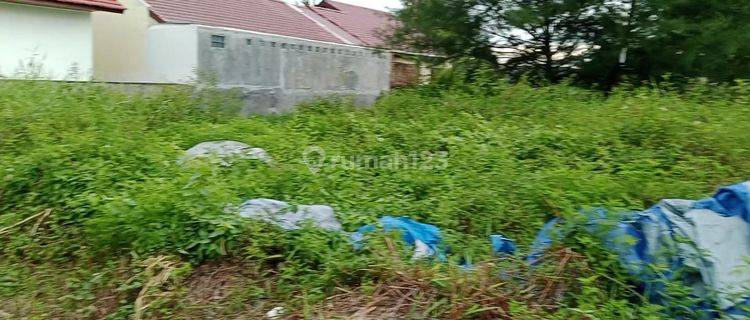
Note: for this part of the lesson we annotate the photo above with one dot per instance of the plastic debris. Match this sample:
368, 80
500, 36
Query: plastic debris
276, 313
227, 152
290, 217
425, 238
502, 245
705, 244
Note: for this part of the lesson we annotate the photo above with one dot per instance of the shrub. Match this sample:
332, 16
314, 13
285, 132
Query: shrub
105, 162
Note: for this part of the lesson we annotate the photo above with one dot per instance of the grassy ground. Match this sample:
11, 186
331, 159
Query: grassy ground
133, 234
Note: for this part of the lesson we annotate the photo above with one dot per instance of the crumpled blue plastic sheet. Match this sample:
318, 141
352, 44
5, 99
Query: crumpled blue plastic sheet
502, 245
729, 201
426, 238
705, 244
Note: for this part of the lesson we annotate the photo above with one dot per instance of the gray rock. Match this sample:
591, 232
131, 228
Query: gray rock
226, 151
290, 217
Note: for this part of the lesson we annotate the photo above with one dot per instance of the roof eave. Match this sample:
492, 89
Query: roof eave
155, 16
71, 6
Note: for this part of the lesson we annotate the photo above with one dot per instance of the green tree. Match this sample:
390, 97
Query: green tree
544, 39
624, 28
698, 38
648, 39
597, 42
445, 27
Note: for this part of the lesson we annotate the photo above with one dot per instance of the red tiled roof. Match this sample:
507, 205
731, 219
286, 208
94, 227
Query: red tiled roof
367, 25
94, 5
268, 16
344, 37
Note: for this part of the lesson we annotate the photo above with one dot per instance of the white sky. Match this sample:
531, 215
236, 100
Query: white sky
376, 4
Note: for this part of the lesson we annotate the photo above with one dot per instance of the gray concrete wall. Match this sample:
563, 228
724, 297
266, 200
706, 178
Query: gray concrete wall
276, 73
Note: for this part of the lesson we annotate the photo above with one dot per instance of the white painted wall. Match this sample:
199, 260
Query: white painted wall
172, 53
57, 42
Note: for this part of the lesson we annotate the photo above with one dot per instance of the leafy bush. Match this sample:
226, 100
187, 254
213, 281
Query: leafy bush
106, 163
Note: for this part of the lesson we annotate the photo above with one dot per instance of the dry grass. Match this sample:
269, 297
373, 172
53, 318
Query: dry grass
400, 290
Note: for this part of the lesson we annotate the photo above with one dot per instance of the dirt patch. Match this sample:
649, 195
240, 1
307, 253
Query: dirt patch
107, 302
217, 290
214, 282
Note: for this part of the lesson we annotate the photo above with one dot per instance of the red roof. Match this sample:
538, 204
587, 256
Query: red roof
268, 16
94, 5
367, 25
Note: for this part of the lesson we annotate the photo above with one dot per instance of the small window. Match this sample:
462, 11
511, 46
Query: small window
273, 44
249, 42
283, 45
309, 48
218, 41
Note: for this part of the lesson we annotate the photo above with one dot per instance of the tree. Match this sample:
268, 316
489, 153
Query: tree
699, 38
546, 40
595, 42
624, 29
541, 38
445, 27
648, 39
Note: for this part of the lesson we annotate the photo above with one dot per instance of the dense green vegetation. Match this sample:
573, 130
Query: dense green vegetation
597, 43
132, 232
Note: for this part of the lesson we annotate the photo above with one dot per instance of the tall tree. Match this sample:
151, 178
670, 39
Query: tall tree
699, 38
624, 28
647, 39
597, 42
545, 39
446, 27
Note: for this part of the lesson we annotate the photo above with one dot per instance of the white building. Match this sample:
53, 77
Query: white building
276, 54
49, 39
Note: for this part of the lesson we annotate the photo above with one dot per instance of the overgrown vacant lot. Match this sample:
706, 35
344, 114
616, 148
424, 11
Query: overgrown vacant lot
132, 233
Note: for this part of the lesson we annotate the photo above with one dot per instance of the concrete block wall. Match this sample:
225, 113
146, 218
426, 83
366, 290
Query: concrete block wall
276, 73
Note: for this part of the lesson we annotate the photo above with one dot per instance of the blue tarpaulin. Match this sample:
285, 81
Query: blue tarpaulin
705, 244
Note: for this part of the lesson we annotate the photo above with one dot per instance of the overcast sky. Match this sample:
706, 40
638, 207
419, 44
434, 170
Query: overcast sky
376, 4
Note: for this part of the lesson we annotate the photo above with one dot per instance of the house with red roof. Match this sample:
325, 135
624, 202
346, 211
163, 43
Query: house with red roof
276, 53
50, 39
